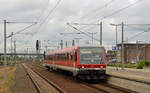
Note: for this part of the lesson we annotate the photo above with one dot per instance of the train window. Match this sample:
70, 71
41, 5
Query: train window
71, 55
75, 54
67, 56
50, 57
45, 57
61, 56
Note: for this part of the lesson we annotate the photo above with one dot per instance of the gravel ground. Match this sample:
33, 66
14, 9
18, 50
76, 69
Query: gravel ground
23, 84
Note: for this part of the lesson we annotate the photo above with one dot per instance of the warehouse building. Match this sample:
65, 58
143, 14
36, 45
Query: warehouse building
134, 52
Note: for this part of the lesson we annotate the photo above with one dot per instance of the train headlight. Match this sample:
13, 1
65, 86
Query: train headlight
101, 66
82, 66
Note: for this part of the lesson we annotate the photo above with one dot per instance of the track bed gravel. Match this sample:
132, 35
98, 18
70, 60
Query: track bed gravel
68, 85
23, 83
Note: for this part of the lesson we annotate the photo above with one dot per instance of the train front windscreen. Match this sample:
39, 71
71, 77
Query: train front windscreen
91, 55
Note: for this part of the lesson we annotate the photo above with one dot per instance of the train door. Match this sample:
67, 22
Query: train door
73, 58
53, 60
68, 58
72, 61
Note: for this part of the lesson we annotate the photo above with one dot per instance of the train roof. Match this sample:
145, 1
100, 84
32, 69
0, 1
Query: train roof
90, 46
70, 48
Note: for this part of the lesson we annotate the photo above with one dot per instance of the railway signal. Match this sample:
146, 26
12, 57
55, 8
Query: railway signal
37, 45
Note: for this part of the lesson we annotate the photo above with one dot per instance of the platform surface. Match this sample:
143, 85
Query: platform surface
137, 74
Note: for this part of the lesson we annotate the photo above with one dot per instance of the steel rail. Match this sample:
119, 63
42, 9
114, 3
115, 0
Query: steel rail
117, 88
34, 83
50, 82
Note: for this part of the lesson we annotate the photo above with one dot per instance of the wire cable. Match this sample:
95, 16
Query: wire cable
82, 32
21, 30
50, 12
117, 11
43, 11
95, 10
136, 35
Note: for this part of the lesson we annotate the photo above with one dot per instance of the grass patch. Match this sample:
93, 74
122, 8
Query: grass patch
6, 87
120, 65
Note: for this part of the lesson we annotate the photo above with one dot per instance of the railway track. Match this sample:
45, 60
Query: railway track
101, 87
34, 83
108, 88
41, 83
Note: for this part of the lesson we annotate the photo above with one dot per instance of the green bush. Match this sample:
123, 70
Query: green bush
120, 65
111, 64
143, 64
140, 66
1, 63
129, 66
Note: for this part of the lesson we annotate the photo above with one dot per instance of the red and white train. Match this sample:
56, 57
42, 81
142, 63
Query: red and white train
83, 62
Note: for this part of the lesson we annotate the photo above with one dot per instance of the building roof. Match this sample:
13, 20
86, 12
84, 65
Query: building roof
135, 44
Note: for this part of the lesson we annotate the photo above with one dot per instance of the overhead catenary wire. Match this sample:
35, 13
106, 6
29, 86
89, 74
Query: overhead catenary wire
83, 32
137, 35
40, 16
50, 12
119, 10
115, 12
22, 30
95, 10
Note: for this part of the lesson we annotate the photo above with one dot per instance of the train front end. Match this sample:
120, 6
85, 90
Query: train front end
92, 63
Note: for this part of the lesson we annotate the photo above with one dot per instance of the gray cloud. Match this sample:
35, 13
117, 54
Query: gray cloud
72, 11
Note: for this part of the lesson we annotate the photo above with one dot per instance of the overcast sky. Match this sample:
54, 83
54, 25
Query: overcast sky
79, 11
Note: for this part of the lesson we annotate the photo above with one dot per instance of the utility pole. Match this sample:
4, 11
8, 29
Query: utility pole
27, 53
122, 48
11, 42
116, 48
66, 44
101, 33
61, 44
116, 35
92, 36
5, 53
137, 51
11, 46
73, 44
15, 51
116, 25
